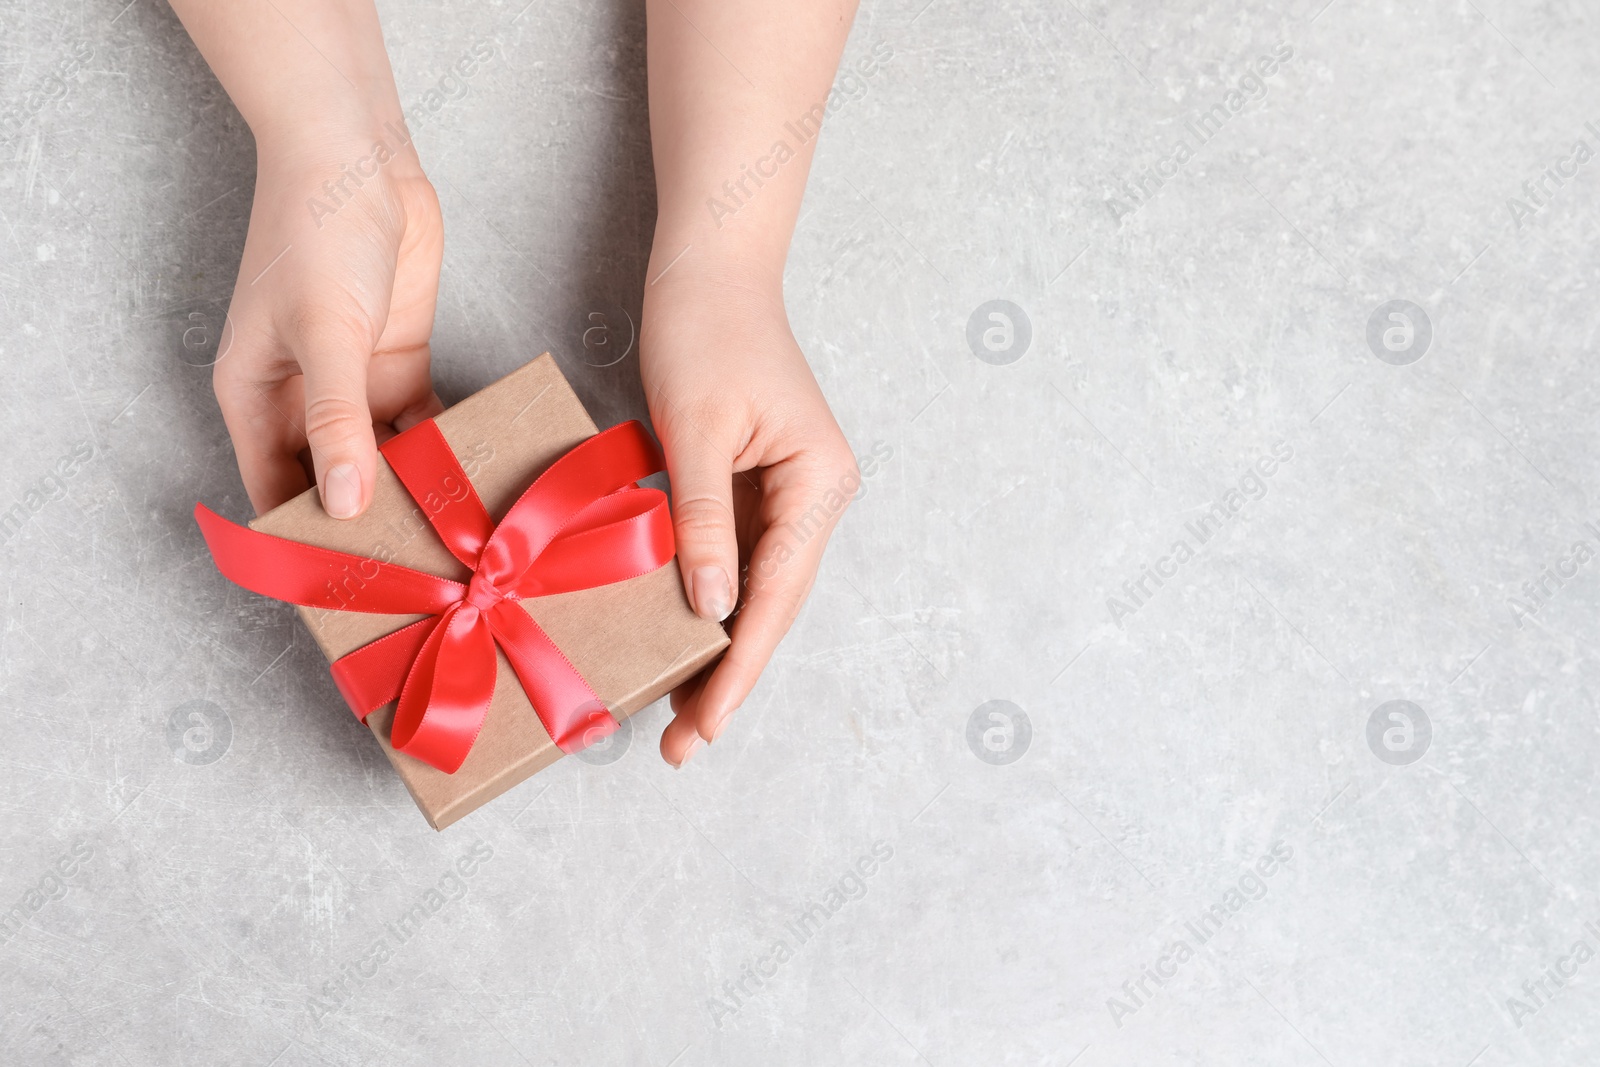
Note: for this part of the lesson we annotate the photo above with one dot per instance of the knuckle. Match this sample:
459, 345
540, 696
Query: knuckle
789, 598
703, 520
334, 417
419, 200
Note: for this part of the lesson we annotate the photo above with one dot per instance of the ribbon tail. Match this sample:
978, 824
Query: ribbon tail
442, 711
319, 577
428, 468
574, 716
375, 674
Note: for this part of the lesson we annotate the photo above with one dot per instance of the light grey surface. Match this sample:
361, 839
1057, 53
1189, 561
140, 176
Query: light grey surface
1170, 749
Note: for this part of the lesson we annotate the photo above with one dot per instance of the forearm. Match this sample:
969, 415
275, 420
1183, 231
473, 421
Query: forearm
298, 70
737, 89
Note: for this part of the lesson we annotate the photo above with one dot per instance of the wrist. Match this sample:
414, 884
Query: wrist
367, 141
686, 259
680, 282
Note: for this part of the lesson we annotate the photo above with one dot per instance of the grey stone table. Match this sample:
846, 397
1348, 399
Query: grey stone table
1206, 674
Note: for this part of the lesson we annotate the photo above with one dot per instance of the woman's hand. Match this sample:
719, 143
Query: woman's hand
327, 342
331, 315
760, 472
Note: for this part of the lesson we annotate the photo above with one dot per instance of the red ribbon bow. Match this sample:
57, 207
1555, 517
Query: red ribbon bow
582, 524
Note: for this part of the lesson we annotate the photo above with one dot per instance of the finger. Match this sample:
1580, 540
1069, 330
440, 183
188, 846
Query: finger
333, 359
682, 735
426, 409
701, 471
783, 567
400, 390
686, 697
266, 438
680, 740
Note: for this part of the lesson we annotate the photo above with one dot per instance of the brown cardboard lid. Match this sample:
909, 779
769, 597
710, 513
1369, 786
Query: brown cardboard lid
633, 641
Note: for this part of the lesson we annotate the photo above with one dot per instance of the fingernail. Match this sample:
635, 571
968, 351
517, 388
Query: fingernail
716, 731
693, 747
341, 491
713, 596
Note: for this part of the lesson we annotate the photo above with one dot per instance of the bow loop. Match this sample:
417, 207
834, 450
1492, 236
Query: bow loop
610, 460
444, 701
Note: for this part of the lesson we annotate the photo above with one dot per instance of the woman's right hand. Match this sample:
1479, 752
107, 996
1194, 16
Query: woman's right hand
326, 351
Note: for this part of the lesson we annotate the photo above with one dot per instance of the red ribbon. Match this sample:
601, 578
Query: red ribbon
582, 524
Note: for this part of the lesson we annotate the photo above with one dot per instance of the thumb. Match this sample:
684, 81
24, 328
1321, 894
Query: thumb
702, 519
338, 421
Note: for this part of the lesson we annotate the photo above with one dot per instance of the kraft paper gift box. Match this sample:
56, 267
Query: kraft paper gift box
633, 641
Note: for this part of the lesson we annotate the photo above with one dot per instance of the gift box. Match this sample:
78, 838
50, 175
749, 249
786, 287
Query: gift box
408, 600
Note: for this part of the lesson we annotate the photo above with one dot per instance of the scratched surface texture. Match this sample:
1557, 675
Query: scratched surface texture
1205, 675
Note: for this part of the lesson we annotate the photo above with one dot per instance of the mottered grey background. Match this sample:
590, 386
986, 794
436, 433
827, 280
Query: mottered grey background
1205, 674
